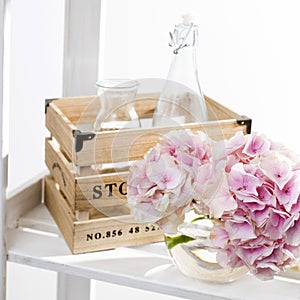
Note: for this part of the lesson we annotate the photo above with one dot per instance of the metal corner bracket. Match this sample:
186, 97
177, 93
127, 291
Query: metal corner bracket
80, 137
244, 120
47, 103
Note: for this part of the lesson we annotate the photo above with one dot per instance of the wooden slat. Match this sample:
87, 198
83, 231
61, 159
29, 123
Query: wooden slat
79, 110
128, 145
109, 211
218, 111
61, 128
101, 190
83, 110
145, 105
60, 211
61, 171
131, 234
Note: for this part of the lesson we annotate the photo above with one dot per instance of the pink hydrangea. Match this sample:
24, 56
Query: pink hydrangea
248, 184
263, 230
175, 173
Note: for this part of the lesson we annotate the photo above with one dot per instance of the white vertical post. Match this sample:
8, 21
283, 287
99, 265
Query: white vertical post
80, 72
2, 168
81, 47
73, 287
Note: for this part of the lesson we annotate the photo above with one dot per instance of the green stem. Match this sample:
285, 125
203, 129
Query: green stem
171, 242
204, 217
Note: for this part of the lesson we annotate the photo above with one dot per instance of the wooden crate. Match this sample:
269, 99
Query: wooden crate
82, 196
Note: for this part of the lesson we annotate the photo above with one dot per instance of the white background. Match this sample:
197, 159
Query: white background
249, 61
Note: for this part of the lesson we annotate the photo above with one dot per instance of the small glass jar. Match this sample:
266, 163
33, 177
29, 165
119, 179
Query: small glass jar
117, 112
117, 105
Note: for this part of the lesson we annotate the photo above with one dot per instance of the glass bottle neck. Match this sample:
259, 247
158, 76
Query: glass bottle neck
184, 68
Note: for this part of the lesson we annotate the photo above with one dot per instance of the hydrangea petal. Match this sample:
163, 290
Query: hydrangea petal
241, 182
277, 167
256, 145
240, 230
293, 234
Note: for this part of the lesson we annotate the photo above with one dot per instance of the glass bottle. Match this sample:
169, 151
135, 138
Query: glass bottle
181, 100
117, 105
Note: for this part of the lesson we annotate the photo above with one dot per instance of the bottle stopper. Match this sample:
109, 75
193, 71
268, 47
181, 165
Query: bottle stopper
188, 19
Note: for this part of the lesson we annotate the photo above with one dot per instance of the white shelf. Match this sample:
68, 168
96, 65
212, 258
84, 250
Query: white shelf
145, 267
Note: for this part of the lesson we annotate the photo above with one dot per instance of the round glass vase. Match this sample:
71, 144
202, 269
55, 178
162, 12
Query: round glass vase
191, 256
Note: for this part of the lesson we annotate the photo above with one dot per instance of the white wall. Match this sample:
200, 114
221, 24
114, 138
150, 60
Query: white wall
249, 53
